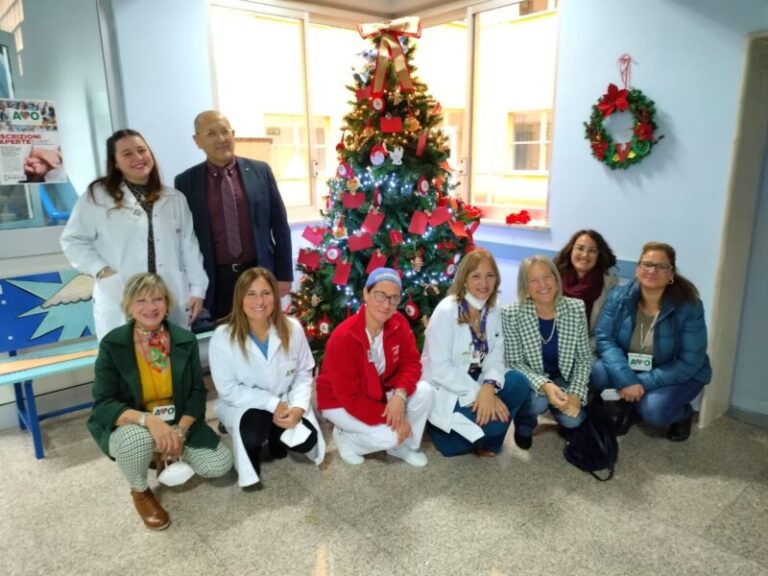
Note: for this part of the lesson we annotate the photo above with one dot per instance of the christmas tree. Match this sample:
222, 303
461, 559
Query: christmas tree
391, 201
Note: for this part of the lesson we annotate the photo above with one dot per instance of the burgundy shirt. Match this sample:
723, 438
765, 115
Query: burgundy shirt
216, 215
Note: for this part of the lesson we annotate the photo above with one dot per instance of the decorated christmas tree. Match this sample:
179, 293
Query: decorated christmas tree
391, 202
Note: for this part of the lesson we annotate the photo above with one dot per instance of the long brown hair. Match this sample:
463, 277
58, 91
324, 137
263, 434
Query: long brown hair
469, 264
114, 177
238, 321
681, 289
606, 259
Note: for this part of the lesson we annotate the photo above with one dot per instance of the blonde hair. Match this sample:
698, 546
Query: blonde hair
522, 276
467, 265
144, 284
238, 321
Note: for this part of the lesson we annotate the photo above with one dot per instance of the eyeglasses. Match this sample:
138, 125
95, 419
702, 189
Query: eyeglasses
590, 251
647, 266
382, 297
211, 134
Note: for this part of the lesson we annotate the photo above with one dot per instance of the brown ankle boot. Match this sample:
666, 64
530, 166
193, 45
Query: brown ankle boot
154, 516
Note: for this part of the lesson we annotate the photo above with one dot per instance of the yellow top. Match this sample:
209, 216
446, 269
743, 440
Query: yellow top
156, 387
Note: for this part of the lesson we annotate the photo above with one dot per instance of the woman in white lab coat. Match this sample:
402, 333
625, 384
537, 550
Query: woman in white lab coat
262, 369
128, 223
463, 359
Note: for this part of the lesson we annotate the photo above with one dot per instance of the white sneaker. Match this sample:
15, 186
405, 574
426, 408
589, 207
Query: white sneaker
413, 457
345, 451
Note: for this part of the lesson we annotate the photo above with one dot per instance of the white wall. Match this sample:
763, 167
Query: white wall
165, 67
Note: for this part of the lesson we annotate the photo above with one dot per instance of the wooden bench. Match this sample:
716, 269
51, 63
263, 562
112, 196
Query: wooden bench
46, 327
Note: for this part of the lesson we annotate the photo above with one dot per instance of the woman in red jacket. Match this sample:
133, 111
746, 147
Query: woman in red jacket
369, 385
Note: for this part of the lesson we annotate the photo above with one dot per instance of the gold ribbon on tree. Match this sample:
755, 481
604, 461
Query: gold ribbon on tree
390, 50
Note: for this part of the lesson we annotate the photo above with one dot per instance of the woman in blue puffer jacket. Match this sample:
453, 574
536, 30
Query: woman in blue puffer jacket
652, 344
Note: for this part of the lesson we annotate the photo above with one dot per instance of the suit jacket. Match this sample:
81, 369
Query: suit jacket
117, 387
271, 231
522, 344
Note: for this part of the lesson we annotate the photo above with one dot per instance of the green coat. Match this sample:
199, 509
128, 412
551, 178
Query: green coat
117, 388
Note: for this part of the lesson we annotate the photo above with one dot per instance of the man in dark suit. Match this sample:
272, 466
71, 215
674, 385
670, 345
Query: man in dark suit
238, 214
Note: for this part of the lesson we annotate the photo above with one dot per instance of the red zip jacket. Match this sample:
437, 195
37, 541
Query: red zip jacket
349, 380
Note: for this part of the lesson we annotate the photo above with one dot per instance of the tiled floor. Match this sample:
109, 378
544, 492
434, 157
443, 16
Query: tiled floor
699, 507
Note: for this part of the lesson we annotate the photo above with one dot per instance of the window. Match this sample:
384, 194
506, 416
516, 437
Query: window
500, 141
510, 166
531, 133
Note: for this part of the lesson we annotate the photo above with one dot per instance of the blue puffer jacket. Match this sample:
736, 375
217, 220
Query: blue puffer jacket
679, 341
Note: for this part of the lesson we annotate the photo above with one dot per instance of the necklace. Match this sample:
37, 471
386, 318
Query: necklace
547, 340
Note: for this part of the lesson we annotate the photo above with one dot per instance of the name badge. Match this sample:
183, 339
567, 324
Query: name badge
477, 357
640, 362
167, 413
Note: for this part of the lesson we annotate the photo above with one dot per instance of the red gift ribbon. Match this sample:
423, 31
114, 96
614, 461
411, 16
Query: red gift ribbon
390, 50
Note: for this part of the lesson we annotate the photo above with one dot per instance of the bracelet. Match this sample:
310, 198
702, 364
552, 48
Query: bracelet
100, 273
400, 393
181, 432
143, 420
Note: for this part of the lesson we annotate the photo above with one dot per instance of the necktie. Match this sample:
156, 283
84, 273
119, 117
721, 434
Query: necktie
231, 222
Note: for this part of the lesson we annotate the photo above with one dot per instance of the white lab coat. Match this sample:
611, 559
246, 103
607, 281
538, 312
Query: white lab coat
251, 381
447, 357
98, 235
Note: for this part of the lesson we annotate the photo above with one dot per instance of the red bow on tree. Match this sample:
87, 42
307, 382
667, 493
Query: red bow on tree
613, 100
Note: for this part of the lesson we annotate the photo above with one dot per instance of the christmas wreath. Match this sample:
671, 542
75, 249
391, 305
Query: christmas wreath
622, 154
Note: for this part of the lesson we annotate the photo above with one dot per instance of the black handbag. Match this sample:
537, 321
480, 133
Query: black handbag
592, 447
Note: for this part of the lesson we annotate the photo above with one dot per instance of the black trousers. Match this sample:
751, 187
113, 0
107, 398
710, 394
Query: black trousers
256, 428
226, 277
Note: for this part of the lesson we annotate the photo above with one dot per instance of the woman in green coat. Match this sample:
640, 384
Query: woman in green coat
149, 397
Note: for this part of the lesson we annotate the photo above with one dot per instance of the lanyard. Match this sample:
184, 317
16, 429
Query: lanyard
649, 334
479, 338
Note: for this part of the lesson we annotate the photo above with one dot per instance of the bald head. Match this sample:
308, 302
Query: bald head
215, 137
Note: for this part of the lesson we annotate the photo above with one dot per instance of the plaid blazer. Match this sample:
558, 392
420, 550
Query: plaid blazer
522, 344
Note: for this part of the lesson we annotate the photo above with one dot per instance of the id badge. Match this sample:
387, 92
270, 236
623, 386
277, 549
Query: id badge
477, 357
166, 412
640, 362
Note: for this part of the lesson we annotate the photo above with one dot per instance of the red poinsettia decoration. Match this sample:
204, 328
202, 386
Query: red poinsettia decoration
522, 217
613, 100
644, 132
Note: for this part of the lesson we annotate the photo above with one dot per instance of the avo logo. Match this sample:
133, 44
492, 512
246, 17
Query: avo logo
639, 363
26, 115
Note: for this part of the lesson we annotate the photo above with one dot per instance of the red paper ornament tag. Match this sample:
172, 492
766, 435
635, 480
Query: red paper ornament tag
314, 234
391, 124
450, 270
360, 241
309, 259
419, 222
372, 222
441, 215
341, 275
352, 201
345, 171
377, 261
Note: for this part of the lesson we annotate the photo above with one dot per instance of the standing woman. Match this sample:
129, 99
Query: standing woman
149, 397
546, 346
127, 223
262, 369
585, 264
652, 344
369, 385
464, 360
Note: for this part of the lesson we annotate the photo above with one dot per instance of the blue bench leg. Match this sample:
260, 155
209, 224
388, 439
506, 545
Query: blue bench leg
21, 409
34, 421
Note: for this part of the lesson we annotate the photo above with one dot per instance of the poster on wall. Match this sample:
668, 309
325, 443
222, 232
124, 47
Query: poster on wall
29, 143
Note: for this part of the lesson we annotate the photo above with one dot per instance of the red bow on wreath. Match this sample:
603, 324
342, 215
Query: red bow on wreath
644, 131
613, 100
